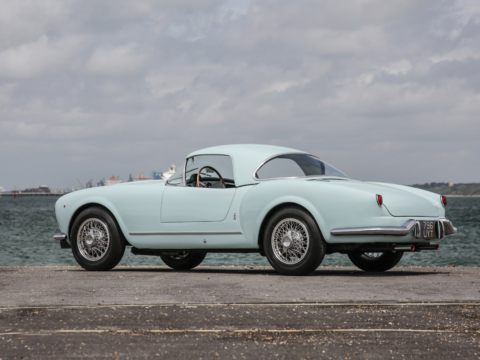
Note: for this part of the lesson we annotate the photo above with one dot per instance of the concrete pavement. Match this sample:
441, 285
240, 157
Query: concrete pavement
239, 313
26, 286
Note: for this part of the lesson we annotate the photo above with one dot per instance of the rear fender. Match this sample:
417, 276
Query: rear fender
251, 224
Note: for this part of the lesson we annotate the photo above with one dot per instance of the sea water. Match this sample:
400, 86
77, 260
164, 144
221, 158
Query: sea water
27, 225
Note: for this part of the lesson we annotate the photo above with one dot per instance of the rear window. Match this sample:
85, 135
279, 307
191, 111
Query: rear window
296, 165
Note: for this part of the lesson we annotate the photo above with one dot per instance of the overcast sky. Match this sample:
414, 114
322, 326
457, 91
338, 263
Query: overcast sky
383, 90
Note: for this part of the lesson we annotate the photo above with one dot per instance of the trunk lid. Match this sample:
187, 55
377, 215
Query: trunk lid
398, 202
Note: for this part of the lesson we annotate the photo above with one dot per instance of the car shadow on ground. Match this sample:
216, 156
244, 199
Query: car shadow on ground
272, 272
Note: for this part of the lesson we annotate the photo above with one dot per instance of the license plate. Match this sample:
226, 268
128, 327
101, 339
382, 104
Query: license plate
428, 230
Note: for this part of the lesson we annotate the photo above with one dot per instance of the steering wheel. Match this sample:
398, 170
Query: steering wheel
200, 184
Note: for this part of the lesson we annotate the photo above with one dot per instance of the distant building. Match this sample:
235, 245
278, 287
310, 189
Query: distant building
113, 180
166, 174
2, 189
450, 184
139, 178
40, 189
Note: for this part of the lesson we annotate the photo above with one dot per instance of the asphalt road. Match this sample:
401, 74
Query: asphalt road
239, 313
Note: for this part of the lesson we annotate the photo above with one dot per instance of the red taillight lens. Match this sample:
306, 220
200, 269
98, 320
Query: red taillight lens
444, 200
379, 200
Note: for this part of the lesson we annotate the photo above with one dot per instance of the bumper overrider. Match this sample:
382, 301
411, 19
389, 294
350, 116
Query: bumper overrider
442, 228
63, 240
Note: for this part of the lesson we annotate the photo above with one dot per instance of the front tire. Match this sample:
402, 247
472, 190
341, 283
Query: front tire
371, 261
183, 261
293, 243
96, 241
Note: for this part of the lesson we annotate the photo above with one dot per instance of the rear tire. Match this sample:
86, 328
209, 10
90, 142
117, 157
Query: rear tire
367, 262
293, 243
96, 241
185, 261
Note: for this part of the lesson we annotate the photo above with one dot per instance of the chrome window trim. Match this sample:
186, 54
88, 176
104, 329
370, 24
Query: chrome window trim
291, 177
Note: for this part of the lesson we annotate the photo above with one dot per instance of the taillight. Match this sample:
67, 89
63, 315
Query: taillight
379, 200
443, 199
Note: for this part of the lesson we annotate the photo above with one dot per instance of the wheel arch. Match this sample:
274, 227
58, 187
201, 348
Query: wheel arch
103, 207
272, 211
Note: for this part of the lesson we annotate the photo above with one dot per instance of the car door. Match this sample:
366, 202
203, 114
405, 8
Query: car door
186, 202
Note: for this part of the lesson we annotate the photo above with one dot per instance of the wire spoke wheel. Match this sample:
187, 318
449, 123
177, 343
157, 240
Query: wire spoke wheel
178, 256
184, 260
290, 241
372, 255
93, 239
375, 261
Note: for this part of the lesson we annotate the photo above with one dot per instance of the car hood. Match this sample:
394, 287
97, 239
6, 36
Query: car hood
399, 202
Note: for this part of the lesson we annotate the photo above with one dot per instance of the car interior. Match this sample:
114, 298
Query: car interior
210, 181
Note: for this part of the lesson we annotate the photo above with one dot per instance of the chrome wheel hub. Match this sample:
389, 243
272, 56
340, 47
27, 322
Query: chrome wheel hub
286, 242
89, 240
93, 239
290, 241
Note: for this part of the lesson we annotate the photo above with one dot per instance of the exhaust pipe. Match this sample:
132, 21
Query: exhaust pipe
403, 248
427, 247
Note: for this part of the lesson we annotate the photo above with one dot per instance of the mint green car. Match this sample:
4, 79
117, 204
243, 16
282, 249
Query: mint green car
285, 204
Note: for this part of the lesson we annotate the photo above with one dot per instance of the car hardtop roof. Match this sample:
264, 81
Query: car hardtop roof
246, 157
253, 151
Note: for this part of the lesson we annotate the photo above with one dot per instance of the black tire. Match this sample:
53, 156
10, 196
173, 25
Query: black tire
384, 262
111, 253
185, 261
279, 256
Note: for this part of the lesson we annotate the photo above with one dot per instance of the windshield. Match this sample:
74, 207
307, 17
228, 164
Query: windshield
296, 165
177, 178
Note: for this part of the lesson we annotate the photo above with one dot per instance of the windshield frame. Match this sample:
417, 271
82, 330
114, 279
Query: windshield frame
296, 177
183, 178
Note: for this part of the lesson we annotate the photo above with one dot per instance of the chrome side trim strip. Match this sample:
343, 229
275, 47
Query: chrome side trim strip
408, 227
59, 237
187, 233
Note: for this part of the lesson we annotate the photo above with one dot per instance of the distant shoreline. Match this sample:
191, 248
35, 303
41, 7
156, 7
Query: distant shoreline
451, 189
462, 195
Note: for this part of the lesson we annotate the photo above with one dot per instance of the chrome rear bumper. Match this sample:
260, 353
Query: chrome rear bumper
447, 228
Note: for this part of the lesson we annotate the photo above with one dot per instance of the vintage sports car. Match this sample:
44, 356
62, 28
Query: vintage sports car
285, 204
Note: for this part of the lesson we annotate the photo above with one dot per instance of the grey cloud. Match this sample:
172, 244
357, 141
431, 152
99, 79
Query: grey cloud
385, 91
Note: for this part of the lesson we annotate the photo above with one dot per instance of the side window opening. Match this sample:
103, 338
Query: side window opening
210, 167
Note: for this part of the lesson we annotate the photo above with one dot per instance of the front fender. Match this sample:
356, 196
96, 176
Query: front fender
67, 206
